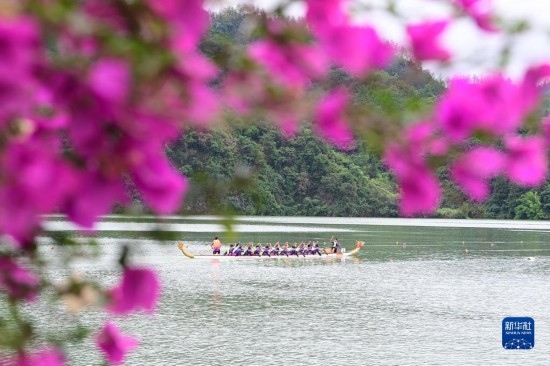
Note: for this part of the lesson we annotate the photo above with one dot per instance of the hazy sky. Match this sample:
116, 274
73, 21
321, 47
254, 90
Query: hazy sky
476, 52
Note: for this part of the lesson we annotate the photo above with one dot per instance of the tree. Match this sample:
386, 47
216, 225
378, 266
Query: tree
529, 207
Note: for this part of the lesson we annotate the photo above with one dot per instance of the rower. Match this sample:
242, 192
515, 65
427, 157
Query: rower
238, 250
301, 249
216, 246
276, 249
294, 249
258, 250
285, 250
248, 250
315, 249
230, 250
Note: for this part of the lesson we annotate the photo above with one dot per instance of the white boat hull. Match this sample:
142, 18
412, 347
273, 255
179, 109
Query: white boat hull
185, 250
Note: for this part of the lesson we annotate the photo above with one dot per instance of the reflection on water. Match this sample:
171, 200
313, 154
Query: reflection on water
414, 295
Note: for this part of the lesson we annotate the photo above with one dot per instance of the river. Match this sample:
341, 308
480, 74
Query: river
421, 292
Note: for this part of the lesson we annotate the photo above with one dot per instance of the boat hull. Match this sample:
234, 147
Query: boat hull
185, 250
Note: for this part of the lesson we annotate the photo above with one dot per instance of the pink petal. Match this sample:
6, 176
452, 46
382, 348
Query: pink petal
331, 120
425, 40
95, 197
17, 281
326, 14
480, 11
531, 89
139, 289
160, 185
472, 170
419, 188
526, 162
420, 192
358, 50
188, 18
45, 357
110, 79
114, 344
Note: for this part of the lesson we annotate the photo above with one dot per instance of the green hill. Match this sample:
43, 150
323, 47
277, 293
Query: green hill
249, 168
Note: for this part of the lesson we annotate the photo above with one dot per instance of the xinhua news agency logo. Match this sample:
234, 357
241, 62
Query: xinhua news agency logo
518, 333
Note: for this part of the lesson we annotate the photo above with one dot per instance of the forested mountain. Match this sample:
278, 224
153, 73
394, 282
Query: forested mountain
251, 169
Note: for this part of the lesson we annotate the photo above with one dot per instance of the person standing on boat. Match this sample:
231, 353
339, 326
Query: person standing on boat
335, 244
216, 246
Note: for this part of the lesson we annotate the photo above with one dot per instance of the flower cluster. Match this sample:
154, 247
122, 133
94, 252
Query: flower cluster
494, 107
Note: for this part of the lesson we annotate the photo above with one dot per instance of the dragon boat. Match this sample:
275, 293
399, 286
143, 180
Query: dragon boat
325, 253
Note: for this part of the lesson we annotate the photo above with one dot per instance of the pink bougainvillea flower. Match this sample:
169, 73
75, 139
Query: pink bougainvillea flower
425, 42
18, 282
419, 188
531, 86
114, 344
110, 79
424, 135
138, 290
101, 193
160, 185
456, 111
189, 20
292, 64
526, 160
494, 105
472, 170
326, 14
20, 51
330, 118
20, 56
201, 105
357, 49
501, 107
480, 11
105, 13
46, 357
36, 181
420, 192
